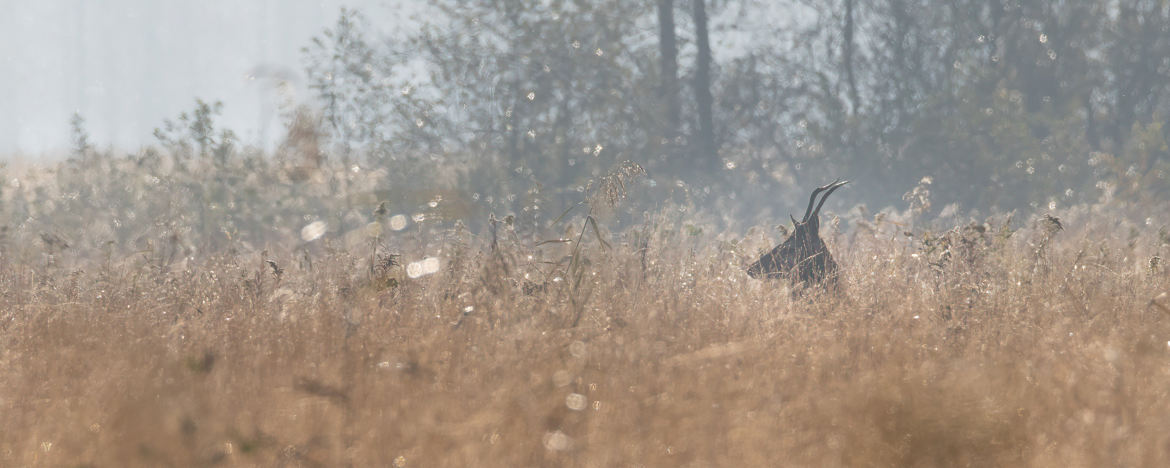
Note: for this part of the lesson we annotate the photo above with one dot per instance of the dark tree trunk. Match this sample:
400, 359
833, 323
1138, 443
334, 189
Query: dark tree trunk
706, 138
847, 56
668, 47
1091, 123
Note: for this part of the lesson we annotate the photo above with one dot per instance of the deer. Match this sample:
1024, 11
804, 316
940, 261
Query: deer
802, 258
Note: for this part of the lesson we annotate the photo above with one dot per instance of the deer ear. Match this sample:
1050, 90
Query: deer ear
794, 221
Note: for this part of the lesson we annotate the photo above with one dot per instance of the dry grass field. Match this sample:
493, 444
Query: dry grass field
362, 263
978, 346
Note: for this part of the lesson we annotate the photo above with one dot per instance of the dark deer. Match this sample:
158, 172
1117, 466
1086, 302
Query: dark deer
802, 257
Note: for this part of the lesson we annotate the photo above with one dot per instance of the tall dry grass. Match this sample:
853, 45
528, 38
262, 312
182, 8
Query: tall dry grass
979, 346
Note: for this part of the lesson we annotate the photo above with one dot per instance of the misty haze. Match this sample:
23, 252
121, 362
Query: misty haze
585, 233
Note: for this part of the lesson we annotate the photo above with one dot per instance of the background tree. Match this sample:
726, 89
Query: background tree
668, 50
705, 140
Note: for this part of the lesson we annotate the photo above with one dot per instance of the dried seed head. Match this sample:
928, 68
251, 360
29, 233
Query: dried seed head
614, 186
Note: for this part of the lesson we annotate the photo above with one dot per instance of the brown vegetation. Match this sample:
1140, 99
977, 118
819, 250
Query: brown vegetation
386, 289
978, 351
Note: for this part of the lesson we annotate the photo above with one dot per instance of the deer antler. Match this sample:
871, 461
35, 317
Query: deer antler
831, 187
812, 199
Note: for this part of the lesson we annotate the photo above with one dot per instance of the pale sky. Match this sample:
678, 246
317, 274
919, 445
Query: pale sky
128, 64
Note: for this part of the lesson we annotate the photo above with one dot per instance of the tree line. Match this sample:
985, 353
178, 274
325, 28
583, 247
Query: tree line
1002, 103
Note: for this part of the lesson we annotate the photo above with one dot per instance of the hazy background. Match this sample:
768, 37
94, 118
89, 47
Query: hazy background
127, 64
455, 110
